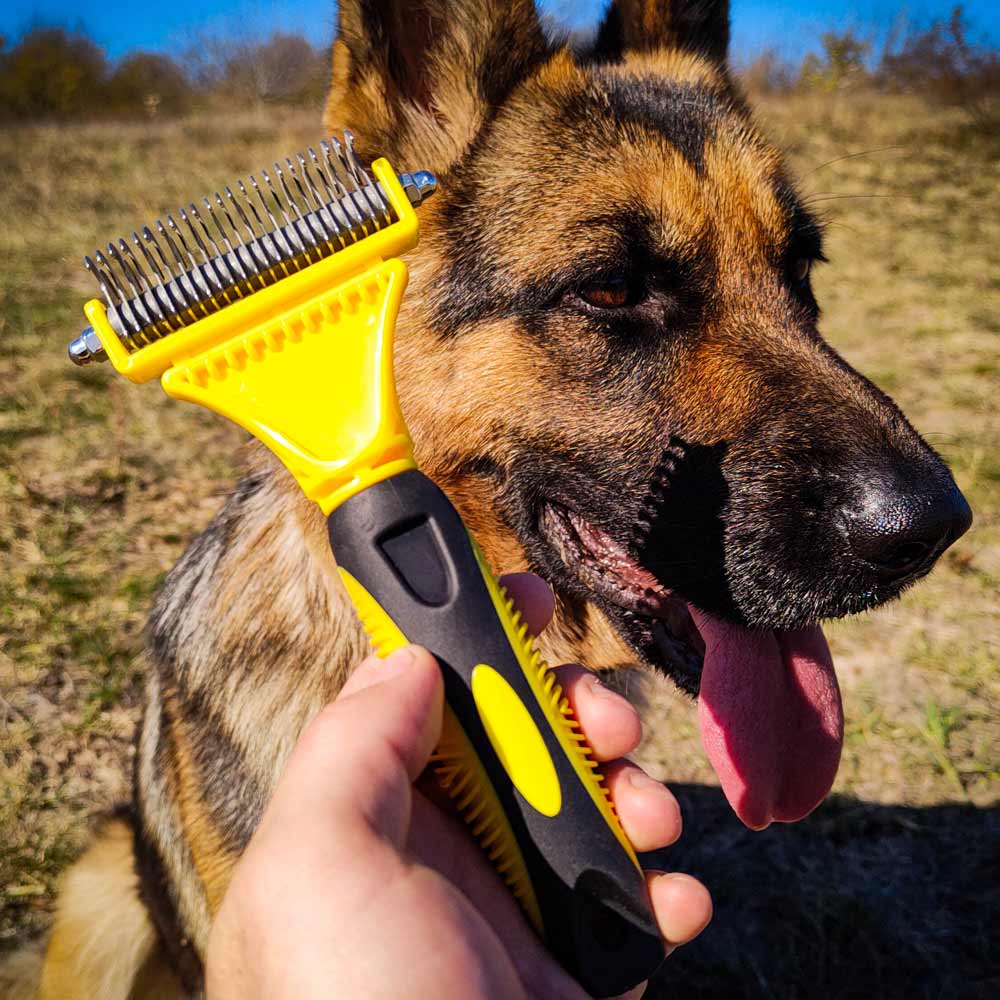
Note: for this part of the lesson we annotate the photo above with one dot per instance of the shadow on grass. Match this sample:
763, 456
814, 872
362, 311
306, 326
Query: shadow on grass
859, 900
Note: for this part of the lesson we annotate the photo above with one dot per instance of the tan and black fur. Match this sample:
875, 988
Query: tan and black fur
610, 315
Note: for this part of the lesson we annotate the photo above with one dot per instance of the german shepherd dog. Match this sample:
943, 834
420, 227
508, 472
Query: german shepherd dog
609, 359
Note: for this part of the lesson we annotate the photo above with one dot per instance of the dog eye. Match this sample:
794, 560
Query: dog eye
613, 293
801, 269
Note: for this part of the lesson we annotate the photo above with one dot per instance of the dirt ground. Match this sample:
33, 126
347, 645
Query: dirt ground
889, 890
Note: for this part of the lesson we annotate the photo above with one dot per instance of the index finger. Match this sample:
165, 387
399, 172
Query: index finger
532, 597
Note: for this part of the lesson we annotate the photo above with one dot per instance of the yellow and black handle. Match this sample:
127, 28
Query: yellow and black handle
512, 755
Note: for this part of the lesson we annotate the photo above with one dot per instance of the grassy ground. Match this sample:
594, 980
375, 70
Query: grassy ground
887, 891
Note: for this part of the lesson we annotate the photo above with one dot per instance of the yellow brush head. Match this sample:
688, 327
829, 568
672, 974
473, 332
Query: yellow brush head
281, 319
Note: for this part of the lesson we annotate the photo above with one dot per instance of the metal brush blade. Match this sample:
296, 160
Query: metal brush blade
235, 244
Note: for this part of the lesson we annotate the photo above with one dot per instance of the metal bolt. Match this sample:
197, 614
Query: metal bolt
419, 185
87, 348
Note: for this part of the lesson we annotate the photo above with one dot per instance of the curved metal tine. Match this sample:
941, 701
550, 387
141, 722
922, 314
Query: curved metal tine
135, 269
307, 190
302, 211
289, 231
258, 250
176, 266
355, 171
304, 180
262, 246
149, 297
310, 203
105, 265
200, 277
368, 187
347, 171
124, 309
334, 169
355, 196
190, 275
325, 219
137, 301
354, 167
107, 287
239, 250
299, 226
285, 250
163, 299
130, 267
217, 257
239, 257
344, 201
120, 279
177, 292
331, 193
230, 256
331, 206
168, 233
275, 197
113, 294
210, 268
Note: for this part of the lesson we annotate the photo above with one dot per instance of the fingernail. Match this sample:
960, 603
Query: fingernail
601, 690
642, 781
397, 663
676, 877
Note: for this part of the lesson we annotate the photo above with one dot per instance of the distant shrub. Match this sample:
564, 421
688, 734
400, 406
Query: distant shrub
150, 84
768, 73
842, 62
52, 72
284, 68
942, 64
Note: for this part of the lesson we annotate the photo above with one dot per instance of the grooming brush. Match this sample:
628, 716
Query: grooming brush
275, 305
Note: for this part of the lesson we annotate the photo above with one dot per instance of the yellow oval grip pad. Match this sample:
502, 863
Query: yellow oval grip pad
516, 740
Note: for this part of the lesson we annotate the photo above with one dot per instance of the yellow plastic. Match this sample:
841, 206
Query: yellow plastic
554, 704
304, 365
516, 739
458, 766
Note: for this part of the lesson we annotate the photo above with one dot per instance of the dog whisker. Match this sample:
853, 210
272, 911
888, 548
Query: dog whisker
849, 156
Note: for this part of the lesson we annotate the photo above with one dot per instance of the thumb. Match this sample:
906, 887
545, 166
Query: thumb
356, 761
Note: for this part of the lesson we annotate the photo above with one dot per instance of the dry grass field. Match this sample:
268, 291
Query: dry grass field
889, 890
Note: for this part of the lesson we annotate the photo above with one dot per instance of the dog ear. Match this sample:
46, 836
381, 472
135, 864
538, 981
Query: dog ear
417, 80
697, 26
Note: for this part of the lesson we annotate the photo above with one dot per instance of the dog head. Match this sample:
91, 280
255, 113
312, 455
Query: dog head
609, 357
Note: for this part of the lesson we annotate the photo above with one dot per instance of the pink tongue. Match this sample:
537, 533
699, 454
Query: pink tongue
771, 719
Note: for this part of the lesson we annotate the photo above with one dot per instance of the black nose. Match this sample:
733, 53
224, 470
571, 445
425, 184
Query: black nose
900, 530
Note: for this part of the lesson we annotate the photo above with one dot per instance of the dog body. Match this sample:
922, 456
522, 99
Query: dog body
608, 358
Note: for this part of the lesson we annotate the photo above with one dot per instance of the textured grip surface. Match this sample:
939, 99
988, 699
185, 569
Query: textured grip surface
512, 755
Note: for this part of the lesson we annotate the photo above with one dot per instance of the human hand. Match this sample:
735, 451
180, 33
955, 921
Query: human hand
358, 885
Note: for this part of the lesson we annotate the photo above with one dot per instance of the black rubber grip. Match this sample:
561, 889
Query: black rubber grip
405, 544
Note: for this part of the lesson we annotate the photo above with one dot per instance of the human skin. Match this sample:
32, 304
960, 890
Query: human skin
359, 884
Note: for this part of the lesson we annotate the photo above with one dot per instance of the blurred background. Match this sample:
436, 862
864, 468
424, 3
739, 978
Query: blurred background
889, 114
177, 58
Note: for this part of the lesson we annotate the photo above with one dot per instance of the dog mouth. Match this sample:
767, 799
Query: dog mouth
769, 707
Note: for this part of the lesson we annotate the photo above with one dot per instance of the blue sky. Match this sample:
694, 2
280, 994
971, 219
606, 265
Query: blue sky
791, 26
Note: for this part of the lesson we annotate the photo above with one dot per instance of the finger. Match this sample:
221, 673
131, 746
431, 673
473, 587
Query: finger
357, 758
532, 597
682, 905
371, 670
650, 815
442, 842
609, 722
